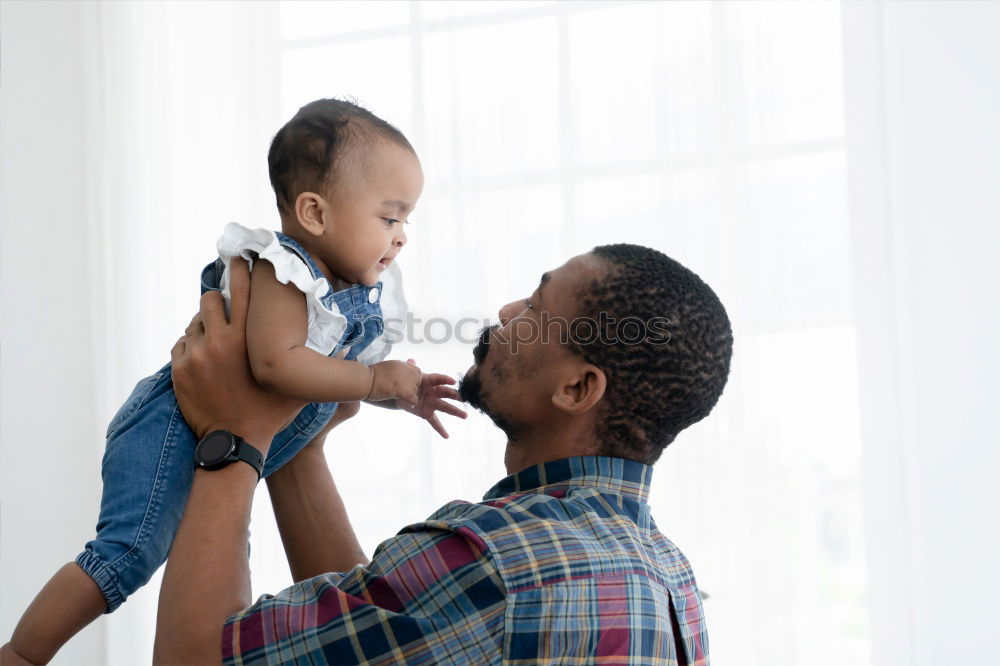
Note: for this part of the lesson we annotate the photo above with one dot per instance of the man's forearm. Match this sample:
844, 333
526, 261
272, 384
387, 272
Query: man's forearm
207, 578
313, 522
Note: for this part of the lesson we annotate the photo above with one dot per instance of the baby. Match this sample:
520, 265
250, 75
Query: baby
324, 292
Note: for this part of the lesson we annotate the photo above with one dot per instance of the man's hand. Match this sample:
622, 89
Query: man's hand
433, 391
213, 382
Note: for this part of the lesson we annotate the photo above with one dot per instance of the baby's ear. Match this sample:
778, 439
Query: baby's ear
312, 212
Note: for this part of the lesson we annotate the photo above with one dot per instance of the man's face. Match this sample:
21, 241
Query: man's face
517, 363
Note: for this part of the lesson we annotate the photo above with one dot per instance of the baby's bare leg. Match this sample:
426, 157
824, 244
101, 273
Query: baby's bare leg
69, 602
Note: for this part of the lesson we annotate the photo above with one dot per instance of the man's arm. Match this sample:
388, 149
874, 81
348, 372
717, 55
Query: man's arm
313, 522
430, 594
207, 576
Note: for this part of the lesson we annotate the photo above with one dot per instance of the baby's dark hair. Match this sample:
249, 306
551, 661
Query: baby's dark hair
654, 389
307, 153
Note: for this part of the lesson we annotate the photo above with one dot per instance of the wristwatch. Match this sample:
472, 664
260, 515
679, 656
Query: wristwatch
221, 447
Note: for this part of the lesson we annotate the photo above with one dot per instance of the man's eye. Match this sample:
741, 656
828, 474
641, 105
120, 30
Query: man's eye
528, 305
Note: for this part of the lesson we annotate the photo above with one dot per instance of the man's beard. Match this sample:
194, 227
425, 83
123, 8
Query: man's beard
470, 385
470, 389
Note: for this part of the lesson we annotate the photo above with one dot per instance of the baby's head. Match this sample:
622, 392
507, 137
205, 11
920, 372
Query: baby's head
345, 181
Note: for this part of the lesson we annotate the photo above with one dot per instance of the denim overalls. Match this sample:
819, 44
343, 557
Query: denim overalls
148, 461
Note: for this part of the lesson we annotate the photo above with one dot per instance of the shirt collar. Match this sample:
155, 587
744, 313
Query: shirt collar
613, 475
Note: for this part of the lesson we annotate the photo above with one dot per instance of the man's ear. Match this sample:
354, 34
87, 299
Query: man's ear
313, 213
579, 392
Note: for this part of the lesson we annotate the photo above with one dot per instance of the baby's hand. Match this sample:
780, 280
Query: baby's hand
395, 379
433, 391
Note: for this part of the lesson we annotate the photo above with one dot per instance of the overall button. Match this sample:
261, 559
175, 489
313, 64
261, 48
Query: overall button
373, 295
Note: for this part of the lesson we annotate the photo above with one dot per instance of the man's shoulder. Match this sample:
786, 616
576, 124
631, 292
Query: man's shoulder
571, 513
468, 519
485, 523
497, 514
582, 529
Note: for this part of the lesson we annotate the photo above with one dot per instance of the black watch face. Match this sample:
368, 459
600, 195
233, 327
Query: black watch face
216, 447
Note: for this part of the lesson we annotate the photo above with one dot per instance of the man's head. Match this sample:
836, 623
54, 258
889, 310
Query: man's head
615, 353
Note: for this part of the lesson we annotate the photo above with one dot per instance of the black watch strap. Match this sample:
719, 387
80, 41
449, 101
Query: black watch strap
219, 448
250, 455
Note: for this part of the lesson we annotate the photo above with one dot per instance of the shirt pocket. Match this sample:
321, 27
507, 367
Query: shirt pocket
133, 402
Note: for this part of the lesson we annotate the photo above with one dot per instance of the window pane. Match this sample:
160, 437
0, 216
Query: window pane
301, 20
468, 270
641, 82
787, 230
767, 504
491, 110
376, 72
785, 82
443, 9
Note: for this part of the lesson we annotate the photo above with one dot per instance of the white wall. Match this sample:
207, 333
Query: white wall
923, 104
48, 424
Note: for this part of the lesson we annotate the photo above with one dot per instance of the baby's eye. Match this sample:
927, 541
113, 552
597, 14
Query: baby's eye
390, 221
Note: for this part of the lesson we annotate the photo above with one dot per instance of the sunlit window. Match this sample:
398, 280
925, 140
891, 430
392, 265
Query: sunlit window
713, 132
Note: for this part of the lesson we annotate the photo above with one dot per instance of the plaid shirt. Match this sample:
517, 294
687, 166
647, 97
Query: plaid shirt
561, 563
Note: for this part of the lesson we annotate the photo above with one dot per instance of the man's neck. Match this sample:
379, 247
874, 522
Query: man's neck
530, 449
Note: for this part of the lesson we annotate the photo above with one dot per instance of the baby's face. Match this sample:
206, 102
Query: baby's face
368, 211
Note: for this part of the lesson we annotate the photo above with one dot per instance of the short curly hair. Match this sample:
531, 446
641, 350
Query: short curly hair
308, 151
655, 388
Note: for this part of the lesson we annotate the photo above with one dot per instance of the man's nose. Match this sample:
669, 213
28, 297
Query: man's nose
507, 312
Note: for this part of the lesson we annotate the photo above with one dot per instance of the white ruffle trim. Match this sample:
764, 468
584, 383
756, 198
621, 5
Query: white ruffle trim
326, 326
394, 309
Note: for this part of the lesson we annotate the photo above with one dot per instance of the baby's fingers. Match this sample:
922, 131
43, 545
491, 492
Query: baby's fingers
450, 393
436, 424
449, 408
437, 378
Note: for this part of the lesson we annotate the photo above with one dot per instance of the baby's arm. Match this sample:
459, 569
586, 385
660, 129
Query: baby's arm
277, 327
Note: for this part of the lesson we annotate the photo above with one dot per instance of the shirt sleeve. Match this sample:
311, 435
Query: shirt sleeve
429, 595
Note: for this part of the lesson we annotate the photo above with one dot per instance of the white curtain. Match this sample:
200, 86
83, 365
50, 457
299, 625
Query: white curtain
719, 133
713, 132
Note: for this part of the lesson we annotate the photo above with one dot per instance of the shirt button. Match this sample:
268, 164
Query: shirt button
373, 295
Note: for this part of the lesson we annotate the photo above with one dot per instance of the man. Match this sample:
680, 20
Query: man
614, 353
